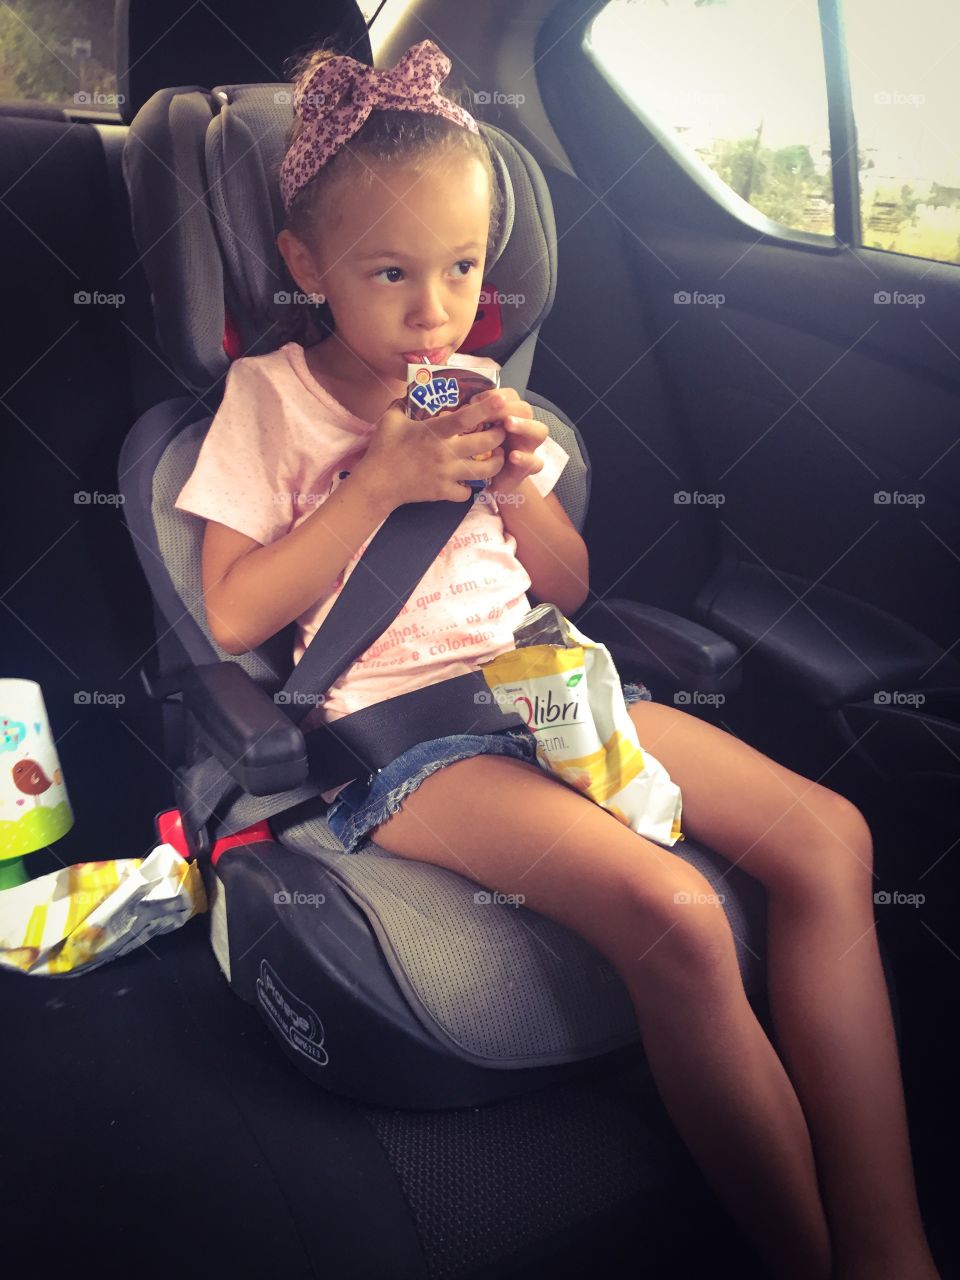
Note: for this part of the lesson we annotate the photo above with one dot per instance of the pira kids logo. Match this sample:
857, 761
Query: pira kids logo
434, 393
539, 712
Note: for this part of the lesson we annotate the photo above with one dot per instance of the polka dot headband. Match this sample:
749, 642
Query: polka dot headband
336, 98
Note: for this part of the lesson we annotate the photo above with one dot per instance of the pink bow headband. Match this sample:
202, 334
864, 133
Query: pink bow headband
337, 97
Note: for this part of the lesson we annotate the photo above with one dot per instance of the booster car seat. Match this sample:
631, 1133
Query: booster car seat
383, 979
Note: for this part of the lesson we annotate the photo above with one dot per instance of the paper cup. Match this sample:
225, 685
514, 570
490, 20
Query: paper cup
34, 806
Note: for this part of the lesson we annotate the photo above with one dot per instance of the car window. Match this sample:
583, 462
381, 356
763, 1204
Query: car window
57, 52
906, 101
741, 85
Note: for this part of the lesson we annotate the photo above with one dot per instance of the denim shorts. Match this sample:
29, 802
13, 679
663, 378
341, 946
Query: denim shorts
366, 802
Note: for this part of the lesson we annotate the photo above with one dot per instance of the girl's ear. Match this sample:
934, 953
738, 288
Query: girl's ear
300, 262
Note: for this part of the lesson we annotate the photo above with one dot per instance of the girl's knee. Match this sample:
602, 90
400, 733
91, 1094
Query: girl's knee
831, 854
681, 931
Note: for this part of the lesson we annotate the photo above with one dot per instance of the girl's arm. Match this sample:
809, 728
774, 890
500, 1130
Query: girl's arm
548, 546
252, 591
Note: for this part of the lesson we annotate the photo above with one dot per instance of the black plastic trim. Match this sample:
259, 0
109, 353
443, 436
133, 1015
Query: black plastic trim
843, 129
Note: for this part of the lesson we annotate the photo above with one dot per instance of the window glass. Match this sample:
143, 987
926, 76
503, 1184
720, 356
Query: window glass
59, 51
906, 99
742, 85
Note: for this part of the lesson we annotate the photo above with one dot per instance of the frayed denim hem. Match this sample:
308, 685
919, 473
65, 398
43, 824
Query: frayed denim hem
366, 803
350, 825
635, 692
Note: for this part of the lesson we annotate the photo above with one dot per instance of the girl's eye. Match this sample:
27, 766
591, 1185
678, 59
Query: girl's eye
392, 273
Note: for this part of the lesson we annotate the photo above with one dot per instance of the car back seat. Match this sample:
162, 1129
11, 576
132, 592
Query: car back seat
198, 1081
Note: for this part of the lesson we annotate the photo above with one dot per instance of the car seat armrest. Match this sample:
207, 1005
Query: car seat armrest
253, 738
668, 651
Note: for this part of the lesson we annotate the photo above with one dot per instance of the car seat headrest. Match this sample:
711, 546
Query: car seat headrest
202, 173
223, 41
245, 195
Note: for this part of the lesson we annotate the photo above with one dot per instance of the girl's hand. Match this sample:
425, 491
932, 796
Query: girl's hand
524, 435
409, 461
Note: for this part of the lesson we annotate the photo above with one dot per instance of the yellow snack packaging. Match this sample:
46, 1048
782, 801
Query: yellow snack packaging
78, 918
567, 691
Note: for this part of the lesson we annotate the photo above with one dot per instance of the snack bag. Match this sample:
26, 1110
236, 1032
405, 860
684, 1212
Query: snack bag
567, 691
78, 918
441, 388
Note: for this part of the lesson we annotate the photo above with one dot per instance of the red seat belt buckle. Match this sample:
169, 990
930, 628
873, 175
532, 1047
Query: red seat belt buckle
170, 831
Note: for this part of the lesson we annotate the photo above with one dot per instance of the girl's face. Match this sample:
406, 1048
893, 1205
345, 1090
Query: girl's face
401, 268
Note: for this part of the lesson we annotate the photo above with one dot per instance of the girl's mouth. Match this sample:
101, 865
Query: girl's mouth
435, 356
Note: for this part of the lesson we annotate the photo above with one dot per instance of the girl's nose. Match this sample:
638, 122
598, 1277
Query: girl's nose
429, 311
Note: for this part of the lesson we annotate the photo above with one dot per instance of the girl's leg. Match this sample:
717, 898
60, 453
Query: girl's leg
508, 826
812, 850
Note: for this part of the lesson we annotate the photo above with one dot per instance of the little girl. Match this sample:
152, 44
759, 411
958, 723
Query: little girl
392, 206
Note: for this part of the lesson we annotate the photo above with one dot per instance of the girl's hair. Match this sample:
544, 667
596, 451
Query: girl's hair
385, 137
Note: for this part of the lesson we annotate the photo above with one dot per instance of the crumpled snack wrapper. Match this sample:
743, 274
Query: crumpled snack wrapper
568, 693
75, 919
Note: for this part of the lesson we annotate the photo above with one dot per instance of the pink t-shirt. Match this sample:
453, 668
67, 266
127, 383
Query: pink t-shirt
274, 453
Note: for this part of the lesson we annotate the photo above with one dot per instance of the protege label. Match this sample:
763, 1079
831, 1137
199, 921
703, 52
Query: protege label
295, 1019
439, 393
